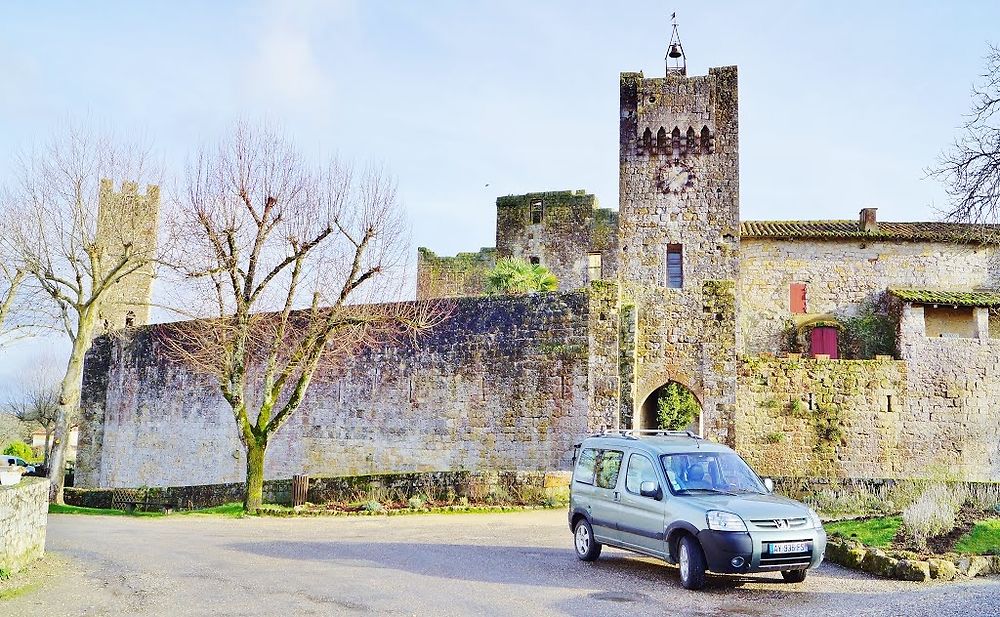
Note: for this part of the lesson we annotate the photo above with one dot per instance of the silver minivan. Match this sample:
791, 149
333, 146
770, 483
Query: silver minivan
690, 502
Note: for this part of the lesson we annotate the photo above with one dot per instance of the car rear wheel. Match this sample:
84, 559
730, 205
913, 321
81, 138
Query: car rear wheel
793, 576
692, 563
587, 548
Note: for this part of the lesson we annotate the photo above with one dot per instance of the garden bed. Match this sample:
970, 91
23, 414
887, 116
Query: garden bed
881, 546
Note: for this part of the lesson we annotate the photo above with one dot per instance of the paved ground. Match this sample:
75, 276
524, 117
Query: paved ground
471, 564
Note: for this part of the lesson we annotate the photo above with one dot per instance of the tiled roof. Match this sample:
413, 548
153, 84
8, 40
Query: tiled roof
888, 230
952, 298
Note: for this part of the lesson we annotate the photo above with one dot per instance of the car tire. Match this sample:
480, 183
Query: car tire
793, 576
587, 548
692, 563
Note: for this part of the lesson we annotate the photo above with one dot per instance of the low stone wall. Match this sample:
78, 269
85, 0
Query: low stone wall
501, 486
23, 515
908, 566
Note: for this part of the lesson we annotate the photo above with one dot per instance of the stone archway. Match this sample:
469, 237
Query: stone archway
647, 416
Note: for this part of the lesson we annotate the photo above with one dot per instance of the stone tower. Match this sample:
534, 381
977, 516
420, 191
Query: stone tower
127, 221
679, 237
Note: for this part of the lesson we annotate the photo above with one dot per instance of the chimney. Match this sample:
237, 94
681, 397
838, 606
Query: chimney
868, 224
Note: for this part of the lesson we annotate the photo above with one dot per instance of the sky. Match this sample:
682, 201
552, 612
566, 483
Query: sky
842, 105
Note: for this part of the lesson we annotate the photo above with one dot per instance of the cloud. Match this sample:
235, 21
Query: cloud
286, 69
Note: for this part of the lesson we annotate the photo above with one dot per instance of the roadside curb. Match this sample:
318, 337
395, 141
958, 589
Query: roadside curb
907, 566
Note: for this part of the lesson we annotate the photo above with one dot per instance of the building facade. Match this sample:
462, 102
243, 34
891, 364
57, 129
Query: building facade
846, 348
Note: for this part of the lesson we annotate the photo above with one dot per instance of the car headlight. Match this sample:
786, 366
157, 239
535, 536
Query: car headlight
725, 521
814, 519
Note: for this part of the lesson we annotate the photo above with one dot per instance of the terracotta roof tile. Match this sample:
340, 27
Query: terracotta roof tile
887, 230
953, 298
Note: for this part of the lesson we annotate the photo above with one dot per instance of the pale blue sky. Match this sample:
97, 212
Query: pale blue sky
842, 105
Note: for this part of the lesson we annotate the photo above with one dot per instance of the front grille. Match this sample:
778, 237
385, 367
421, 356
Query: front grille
779, 523
785, 561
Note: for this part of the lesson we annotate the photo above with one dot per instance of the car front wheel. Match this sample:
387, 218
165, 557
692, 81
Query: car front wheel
692, 563
793, 576
587, 548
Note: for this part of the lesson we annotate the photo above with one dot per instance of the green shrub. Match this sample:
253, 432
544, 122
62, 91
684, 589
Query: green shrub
775, 437
676, 407
415, 503
20, 449
372, 506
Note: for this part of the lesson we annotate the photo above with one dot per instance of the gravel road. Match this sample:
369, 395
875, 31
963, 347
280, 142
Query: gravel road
471, 564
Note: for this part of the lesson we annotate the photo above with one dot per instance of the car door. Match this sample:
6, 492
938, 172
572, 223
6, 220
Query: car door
595, 480
641, 520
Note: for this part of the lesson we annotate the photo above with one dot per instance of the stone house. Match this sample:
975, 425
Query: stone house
849, 348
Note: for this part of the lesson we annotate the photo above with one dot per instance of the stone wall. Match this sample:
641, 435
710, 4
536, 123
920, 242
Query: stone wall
453, 277
954, 389
835, 418
572, 228
503, 384
841, 275
24, 511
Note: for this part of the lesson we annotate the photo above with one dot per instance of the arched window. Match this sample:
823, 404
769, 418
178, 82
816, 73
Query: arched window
647, 138
675, 142
691, 141
661, 139
706, 140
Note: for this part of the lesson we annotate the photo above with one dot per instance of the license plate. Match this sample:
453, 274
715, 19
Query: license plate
789, 547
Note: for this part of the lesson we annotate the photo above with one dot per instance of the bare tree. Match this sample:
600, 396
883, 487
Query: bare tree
12, 277
52, 229
280, 254
970, 168
36, 401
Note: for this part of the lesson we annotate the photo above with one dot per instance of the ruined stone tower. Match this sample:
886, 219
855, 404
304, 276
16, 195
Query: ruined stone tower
679, 238
127, 221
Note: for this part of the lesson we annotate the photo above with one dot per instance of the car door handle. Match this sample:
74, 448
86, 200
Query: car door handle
618, 496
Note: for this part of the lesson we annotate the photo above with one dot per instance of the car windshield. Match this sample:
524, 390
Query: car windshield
710, 472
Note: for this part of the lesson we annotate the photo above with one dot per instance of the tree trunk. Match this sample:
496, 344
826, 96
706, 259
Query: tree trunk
254, 496
69, 406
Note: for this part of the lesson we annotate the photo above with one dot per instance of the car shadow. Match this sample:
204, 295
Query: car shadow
522, 565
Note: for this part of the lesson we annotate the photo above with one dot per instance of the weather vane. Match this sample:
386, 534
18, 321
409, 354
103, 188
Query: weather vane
676, 60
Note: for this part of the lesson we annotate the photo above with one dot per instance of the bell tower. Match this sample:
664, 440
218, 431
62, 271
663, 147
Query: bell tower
679, 236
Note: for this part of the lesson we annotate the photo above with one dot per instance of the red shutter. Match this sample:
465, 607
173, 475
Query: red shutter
824, 341
797, 297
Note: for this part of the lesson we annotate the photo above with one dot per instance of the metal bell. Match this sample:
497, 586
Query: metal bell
674, 51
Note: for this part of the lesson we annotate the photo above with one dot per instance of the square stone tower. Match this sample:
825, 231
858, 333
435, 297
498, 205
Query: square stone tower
679, 238
127, 223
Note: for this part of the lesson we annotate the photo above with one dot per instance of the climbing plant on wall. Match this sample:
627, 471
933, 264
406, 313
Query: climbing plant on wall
676, 407
868, 334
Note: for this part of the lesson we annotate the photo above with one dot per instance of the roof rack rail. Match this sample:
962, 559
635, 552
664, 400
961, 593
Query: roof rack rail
635, 433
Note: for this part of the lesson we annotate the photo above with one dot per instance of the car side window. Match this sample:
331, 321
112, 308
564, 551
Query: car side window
640, 469
584, 471
609, 463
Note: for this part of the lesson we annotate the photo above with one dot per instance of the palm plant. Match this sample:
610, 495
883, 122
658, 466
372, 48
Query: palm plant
515, 276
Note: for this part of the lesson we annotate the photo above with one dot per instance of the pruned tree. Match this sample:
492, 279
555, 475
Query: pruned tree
36, 401
12, 276
970, 168
279, 256
51, 228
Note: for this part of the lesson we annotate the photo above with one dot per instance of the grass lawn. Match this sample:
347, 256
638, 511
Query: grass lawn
983, 539
231, 510
877, 532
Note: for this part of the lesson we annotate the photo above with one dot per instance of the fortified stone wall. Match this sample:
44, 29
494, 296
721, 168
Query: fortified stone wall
561, 229
834, 418
127, 219
679, 184
841, 275
503, 384
24, 509
453, 277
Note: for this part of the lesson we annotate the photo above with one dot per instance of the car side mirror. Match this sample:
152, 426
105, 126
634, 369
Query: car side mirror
769, 485
650, 489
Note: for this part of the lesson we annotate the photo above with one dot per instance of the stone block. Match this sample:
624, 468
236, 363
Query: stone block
942, 569
878, 563
909, 570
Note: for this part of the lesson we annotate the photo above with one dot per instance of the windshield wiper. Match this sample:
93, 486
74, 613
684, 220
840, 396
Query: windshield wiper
687, 491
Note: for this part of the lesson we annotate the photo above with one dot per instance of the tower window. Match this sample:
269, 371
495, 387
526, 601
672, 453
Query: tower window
537, 209
706, 140
594, 267
675, 266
